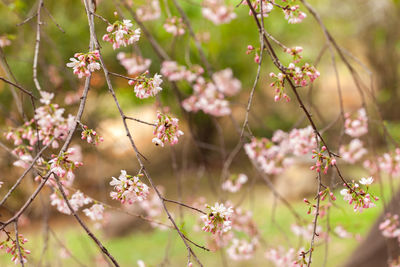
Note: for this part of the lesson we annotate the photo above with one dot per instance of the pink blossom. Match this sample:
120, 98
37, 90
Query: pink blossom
390, 163
120, 33
218, 220
353, 152
234, 183
150, 11
175, 26
226, 83
129, 189
282, 258
4, 41
134, 64
166, 130
242, 249
84, 64
293, 14
146, 87
358, 126
95, 212
217, 12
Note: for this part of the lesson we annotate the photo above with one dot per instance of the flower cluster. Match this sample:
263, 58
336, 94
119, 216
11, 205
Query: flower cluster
353, 152
390, 227
95, 212
146, 87
150, 11
120, 33
218, 220
358, 196
166, 130
323, 161
134, 64
358, 126
64, 167
174, 26
262, 7
295, 52
293, 14
11, 248
390, 163
234, 183
91, 136
242, 249
84, 64
275, 155
217, 12
175, 72
279, 85
128, 188
300, 74
282, 258
4, 41
207, 98
226, 83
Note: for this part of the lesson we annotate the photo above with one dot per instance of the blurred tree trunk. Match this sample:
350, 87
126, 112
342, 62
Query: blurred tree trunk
375, 250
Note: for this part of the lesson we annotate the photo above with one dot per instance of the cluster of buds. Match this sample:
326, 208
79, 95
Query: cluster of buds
21, 134
91, 136
358, 126
84, 64
217, 12
295, 52
293, 14
218, 220
300, 74
150, 11
279, 86
234, 183
11, 247
359, 196
251, 49
353, 152
326, 192
120, 33
390, 227
262, 8
174, 26
128, 188
323, 161
63, 166
175, 72
207, 98
166, 130
146, 87
134, 64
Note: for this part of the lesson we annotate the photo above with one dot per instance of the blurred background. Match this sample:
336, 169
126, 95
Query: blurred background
368, 29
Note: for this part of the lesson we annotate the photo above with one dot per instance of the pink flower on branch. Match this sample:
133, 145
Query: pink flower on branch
129, 189
166, 130
84, 64
120, 33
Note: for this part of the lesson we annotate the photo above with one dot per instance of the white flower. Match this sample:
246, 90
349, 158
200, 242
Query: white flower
46, 97
367, 181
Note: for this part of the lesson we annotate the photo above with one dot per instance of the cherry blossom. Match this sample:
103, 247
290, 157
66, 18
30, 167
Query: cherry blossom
390, 163
282, 258
358, 126
95, 212
218, 220
390, 227
358, 196
64, 167
207, 98
234, 183
146, 87
11, 248
150, 11
226, 83
129, 189
78, 200
91, 136
134, 64
175, 26
295, 52
341, 232
166, 130
120, 33
366, 181
353, 152
266, 8
293, 14
323, 161
84, 64
217, 11
242, 249
4, 41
